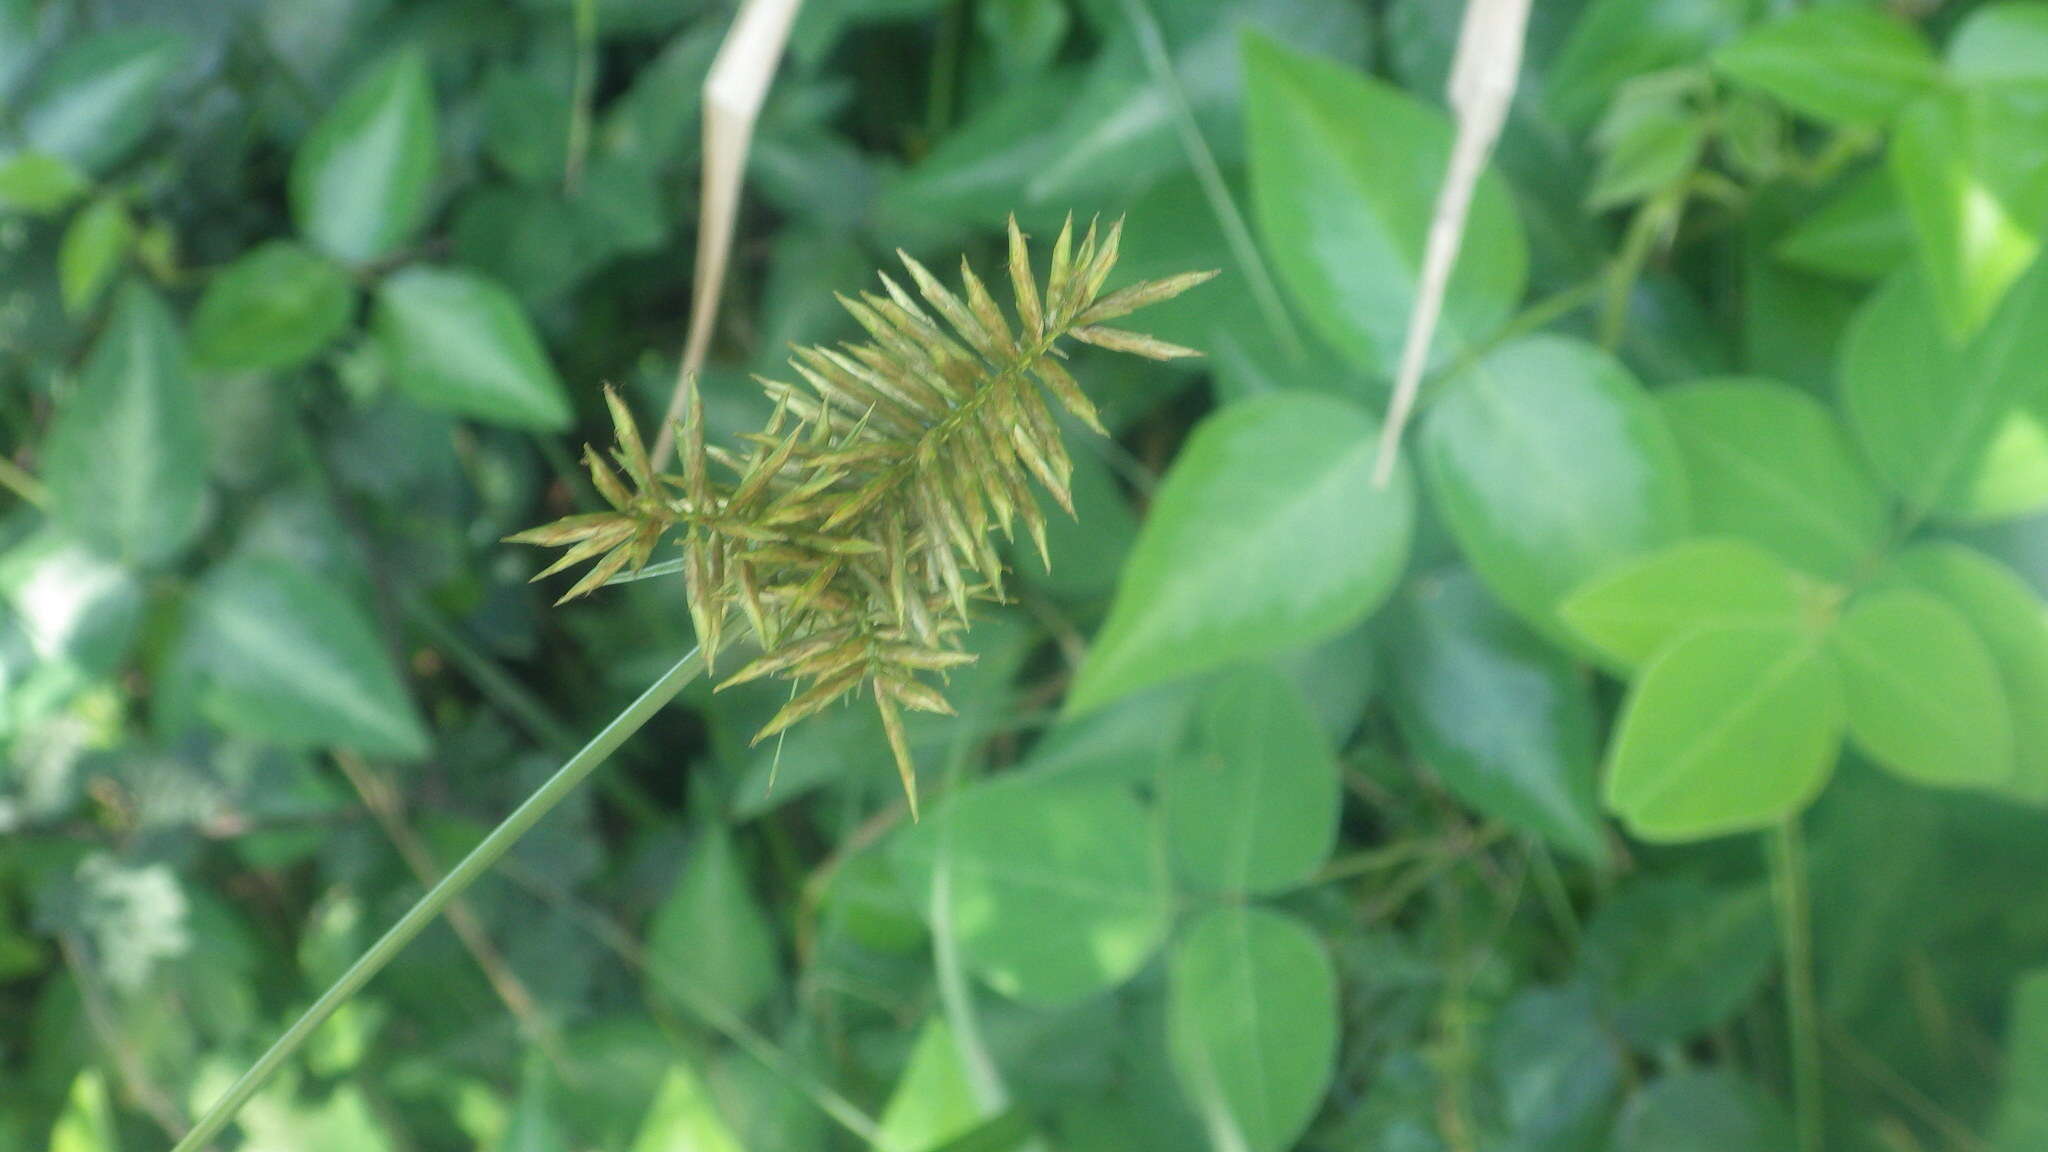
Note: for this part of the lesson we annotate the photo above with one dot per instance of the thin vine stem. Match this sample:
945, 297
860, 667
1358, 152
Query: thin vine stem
1802, 1008
18, 480
1265, 293
429, 908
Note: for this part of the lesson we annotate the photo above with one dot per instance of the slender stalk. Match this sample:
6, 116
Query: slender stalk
581, 96
1802, 1009
17, 480
458, 880
382, 801
616, 939
1556, 899
1242, 247
956, 995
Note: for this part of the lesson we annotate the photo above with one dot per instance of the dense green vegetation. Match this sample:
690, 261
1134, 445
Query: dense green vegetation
1657, 763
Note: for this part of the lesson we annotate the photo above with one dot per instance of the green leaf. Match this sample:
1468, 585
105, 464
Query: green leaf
276, 307
1924, 696
1550, 465
1633, 611
361, 177
683, 1116
1616, 40
1728, 729
1252, 1025
1252, 807
1502, 718
2022, 1118
459, 342
1344, 179
1266, 535
126, 457
93, 246
1645, 149
271, 651
1702, 1111
1672, 956
1556, 1065
87, 1122
38, 183
709, 943
1859, 233
100, 95
2008, 618
1055, 891
1944, 425
1768, 463
1842, 63
2001, 44
1975, 230
933, 1102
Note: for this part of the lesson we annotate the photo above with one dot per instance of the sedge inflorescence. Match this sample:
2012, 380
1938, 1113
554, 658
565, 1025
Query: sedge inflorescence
851, 534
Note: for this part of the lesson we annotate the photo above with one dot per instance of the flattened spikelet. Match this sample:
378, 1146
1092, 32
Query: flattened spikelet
853, 533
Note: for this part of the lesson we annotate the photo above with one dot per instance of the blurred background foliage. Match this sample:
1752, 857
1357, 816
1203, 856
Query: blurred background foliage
304, 304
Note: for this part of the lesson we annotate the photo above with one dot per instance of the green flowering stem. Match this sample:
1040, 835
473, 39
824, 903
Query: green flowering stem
430, 906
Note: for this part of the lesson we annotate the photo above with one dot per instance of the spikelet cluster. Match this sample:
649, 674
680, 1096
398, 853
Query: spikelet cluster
850, 536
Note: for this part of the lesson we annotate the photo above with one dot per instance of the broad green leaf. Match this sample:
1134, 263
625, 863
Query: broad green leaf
1501, 717
709, 943
1252, 1025
2021, 1122
1054, 891
1252, 806
684, 1117
1650, 140
101, 94
1859, 233
1975, 230
93, 247
459, 342
126, 456
1924, 695
1672, 957
1550, 465
72, 605
271, 651
1768, 463
361, 177
2009, 619
38, 183
1633, 611
1944, 426
274, 308
87, 1122
1841, 63
933, 1102
1344, 179
1266, 535
2000, 44
1556, 1067
1616, 40
1727, 729
1702, 1111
